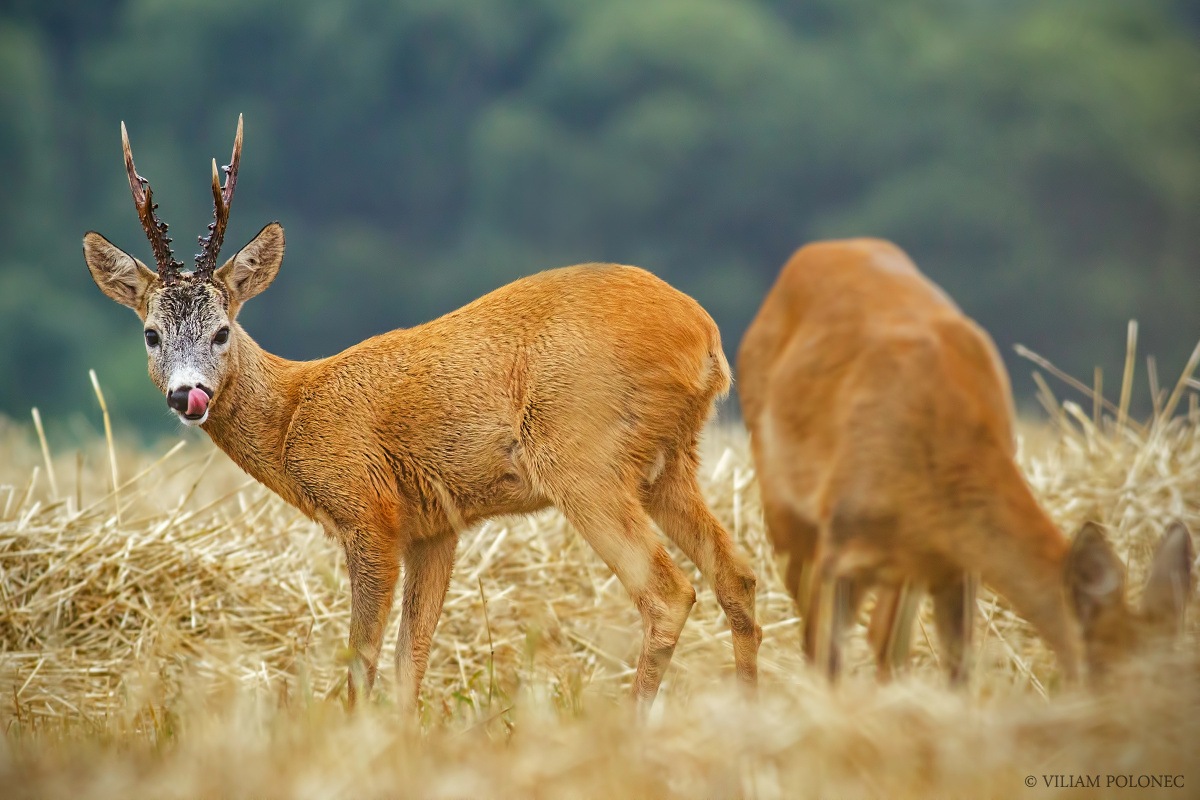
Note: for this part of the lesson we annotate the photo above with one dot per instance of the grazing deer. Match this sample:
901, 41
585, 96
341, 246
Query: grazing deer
585, 388
881, 425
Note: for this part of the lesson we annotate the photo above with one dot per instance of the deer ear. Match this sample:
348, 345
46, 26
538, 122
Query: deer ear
1170, 582
118, 274
255, 265
1095, 576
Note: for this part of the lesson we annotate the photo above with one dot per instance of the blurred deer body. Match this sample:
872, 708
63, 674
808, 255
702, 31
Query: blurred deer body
585, 388
881, 424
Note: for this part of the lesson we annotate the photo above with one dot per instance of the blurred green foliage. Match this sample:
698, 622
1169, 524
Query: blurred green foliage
1040, 160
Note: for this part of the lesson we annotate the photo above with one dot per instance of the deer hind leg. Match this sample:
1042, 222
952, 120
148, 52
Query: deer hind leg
954, 617
838, 586
373, 567
677, 506
620, 532
794, 539
427, 567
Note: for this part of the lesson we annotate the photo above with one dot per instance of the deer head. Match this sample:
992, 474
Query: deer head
189, 318
1095, 582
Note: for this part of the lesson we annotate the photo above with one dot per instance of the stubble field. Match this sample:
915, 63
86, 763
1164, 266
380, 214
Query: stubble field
183, 636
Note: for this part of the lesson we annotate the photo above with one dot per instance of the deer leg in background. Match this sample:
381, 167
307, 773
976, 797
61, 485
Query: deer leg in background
954, 617
794, 540
374, 567
831, 609
427, 567
890, 629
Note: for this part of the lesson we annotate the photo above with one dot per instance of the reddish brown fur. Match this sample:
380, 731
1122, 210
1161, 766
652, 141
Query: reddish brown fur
881, 424
585, 388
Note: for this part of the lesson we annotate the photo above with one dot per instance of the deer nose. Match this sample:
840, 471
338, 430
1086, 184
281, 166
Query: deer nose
178, 399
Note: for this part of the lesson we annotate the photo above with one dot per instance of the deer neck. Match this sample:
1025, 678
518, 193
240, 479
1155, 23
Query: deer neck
250, 417
1013, 515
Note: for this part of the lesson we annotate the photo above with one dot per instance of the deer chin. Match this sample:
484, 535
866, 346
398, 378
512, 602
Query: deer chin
193, 422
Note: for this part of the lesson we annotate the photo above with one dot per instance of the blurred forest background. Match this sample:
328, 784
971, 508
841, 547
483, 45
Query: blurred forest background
1041, 160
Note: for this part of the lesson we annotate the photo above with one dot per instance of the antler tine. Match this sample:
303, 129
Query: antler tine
156, 230
210, 246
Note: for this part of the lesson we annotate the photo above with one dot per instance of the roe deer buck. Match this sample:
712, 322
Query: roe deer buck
584, 388
881, 425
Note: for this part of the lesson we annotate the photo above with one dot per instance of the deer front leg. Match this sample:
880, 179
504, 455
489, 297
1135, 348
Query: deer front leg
427, 567
954, 617
890, 629
374, 568
832, 607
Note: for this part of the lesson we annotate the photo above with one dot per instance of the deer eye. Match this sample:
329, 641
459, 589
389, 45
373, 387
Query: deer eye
152, 338
222, 336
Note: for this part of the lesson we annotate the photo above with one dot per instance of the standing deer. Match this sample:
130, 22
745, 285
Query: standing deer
881, 425
585, 388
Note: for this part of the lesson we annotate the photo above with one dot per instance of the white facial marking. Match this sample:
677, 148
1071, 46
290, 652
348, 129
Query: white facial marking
185, 377
192, 423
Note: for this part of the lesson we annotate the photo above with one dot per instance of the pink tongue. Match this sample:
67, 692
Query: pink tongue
197, 402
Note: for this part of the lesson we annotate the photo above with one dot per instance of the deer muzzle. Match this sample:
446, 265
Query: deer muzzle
190, 401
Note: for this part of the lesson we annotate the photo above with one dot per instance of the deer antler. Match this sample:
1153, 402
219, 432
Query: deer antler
210, 246
156, 230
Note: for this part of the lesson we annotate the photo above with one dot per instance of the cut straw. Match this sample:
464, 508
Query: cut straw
108, 438
1183, 382
41, 432
1127, 376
